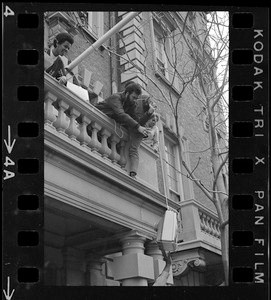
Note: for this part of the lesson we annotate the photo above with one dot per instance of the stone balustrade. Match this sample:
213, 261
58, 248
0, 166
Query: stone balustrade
209, 224
82, 123
199, 224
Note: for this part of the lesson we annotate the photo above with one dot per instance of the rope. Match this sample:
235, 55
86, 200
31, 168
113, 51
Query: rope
116, 130
162, 165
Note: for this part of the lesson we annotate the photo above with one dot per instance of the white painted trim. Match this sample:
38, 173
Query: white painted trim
100, 25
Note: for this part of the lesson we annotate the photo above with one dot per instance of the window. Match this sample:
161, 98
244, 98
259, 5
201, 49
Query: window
161, 58
165, 58
173, 170
96, 23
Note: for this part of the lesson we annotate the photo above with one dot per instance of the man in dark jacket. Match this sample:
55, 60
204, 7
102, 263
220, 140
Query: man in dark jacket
54, 57
123, 108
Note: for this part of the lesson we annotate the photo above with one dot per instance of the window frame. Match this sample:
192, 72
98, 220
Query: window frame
100, 23
163, 30
171, 192
160, 55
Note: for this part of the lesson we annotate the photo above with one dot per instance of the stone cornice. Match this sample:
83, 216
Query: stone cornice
86, 205
198, 244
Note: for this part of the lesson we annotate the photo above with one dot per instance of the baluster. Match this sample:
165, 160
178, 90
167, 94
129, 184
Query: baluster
114, 156
209, 230
105, 150
49, 116
215, 227
94, 143
213, 233
83, 137
61, 122
123, 159
72, 131
204, 222
218, 229
201, 221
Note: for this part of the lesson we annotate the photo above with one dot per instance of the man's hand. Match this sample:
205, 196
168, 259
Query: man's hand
63, 80
142, 130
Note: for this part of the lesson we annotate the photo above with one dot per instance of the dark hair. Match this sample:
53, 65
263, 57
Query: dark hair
146, 102
62, 37
131, 87
127, 83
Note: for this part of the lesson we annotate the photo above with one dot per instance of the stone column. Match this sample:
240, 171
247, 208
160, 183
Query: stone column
133, 268
94, 271
72, 273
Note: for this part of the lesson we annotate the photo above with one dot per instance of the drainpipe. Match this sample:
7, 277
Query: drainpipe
110, 55
101, 40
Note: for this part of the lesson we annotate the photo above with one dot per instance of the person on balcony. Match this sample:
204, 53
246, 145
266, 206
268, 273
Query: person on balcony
152, 133
55, 59
122, 107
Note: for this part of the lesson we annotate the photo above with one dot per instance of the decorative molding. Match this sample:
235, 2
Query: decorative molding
182, 267
61, 21
97, 209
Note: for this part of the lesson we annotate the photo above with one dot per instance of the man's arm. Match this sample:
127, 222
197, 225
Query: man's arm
114, 102
146, 115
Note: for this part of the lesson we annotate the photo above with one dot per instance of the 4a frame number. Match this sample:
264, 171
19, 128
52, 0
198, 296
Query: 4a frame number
8, 162
9, 143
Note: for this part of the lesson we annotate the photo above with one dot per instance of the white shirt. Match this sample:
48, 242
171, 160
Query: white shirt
152, 138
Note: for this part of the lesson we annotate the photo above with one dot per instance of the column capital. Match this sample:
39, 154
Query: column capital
133, 242
153, 250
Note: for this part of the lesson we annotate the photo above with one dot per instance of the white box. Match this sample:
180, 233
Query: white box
167, 231
78, 90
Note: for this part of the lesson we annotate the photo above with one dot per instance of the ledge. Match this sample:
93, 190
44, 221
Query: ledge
198, 244
95, 163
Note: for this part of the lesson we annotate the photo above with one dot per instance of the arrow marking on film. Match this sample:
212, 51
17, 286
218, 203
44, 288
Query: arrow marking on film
8, 144
6, 293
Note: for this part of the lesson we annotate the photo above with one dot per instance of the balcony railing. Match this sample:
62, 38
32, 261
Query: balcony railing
209, 225
83, 124
200, 224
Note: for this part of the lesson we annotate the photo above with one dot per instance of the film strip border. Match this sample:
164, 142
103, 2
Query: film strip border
248, 148
22, 125
22, 130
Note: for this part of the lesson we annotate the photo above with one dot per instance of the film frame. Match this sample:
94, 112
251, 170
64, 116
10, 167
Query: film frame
23, 160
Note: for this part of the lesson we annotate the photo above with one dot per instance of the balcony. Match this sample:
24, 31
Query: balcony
98, 153
86, 175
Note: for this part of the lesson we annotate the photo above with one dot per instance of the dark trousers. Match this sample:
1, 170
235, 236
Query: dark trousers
135, 141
